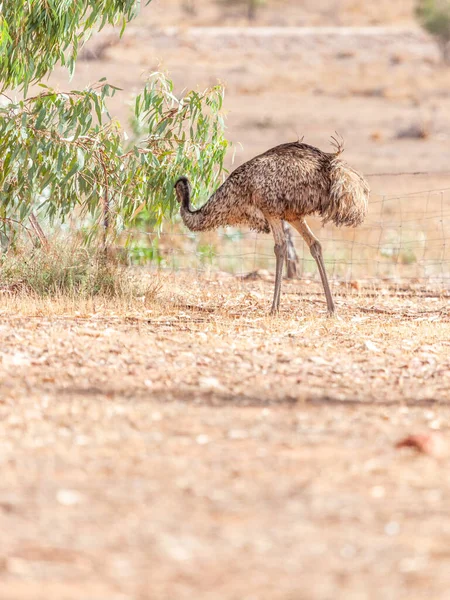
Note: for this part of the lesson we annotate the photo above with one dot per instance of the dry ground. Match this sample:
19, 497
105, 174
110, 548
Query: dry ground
282, 12
195, 447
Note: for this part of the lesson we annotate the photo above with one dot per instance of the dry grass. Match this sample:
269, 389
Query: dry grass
198, 448
69, 272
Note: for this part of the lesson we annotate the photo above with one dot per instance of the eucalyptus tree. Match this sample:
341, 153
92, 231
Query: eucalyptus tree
61, 151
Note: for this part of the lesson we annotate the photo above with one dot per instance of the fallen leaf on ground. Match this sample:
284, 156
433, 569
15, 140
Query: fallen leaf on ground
433, 444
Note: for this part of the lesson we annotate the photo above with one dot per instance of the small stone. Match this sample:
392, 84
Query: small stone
392, 528
238, 434
69, 497
378, 491
210, 383
202, 439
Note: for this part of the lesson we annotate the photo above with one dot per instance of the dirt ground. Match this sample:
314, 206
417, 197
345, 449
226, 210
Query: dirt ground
280, 12
194, 447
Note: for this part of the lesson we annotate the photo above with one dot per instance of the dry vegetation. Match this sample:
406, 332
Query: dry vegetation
66, 269
199, 448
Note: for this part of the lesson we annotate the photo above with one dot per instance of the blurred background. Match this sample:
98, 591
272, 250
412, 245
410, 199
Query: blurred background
375, 72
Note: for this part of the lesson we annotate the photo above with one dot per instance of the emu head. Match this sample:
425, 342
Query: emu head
182, 189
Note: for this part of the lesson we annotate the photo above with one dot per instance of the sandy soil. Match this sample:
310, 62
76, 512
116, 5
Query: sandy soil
280, 12
197, 448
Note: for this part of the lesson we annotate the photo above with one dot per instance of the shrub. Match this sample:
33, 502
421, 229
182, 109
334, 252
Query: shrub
68, 268
434, 16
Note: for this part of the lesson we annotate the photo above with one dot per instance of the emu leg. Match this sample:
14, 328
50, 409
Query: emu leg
316, 251
291, 254
280, 252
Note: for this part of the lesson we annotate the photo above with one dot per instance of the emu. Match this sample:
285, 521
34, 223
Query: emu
286, 183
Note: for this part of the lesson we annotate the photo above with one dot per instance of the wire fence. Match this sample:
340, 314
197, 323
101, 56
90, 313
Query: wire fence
405, 237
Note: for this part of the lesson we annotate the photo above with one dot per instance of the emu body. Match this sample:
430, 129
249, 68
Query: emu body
286, 183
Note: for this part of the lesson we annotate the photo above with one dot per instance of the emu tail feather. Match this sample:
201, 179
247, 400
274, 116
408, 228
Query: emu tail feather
348, 198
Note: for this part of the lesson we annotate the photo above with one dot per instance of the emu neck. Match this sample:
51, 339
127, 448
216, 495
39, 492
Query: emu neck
198, 220
186, 202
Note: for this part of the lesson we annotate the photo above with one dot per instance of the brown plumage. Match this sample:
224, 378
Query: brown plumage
286, 183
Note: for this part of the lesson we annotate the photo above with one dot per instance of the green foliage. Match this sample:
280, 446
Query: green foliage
434, 16
176, 136
62, 156
143, 255
70, 269
37, 34
207, 253
56, 157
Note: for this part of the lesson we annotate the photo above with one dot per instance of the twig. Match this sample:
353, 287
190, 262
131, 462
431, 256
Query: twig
38, 231
106, 216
